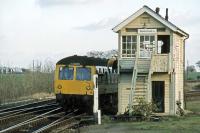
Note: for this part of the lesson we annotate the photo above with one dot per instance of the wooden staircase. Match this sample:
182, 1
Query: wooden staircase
141, 86
141, 81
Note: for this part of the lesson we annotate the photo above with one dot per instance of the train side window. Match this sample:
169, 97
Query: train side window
100, 70
83, 73
66, 73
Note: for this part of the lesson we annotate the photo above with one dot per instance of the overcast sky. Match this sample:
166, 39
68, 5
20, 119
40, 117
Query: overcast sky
53, 29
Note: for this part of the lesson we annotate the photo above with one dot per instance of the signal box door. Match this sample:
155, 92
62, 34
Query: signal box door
158, 95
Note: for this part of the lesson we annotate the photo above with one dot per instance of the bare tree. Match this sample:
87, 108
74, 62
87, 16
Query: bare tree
191, 68
102, 54
48, 66
198, 64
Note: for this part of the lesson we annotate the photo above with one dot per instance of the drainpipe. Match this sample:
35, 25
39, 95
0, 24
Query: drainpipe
173, 79
184, 78
174, 91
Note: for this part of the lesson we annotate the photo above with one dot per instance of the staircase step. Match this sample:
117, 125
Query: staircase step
141, 84
141, 81
140, 91
142, 75
135, 101
139, 96
140, 78
143, 70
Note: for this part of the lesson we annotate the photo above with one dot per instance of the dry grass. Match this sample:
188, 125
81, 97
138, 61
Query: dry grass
21, 86
193, 106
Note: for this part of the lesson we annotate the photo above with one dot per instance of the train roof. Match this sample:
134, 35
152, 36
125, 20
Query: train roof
83, 60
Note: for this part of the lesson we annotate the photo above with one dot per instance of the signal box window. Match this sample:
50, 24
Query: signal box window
66, 73
163, 44
129, 46
147, 43
83, 74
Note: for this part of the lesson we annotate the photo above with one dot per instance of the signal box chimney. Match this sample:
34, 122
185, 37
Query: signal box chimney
166, 16
157, 10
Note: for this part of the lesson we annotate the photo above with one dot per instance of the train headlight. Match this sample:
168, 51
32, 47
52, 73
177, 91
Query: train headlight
59, 86
88, 87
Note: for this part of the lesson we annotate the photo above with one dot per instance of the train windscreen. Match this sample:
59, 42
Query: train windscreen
66, 73
83, 73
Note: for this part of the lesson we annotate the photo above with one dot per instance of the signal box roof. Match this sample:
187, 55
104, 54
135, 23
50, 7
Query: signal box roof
154, 15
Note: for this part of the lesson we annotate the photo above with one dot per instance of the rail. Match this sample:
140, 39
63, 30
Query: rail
28, 105
33, 120
25, 109
68, 122
5, 120
42, 118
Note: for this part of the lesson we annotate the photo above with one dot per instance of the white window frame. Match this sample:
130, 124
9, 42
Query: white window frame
153, 49
121, 45
153, 32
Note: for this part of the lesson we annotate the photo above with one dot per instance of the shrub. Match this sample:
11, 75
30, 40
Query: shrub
179, 110
142, 108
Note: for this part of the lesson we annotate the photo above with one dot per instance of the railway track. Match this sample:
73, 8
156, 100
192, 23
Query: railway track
67, 121
33, 104
37, 117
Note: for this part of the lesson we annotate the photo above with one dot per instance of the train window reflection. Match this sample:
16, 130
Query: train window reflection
66, 73
83, 74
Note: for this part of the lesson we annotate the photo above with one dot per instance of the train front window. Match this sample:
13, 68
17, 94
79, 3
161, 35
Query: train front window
66, 73
83, 73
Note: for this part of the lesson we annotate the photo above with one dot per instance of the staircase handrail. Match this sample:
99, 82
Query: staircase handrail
133, 80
